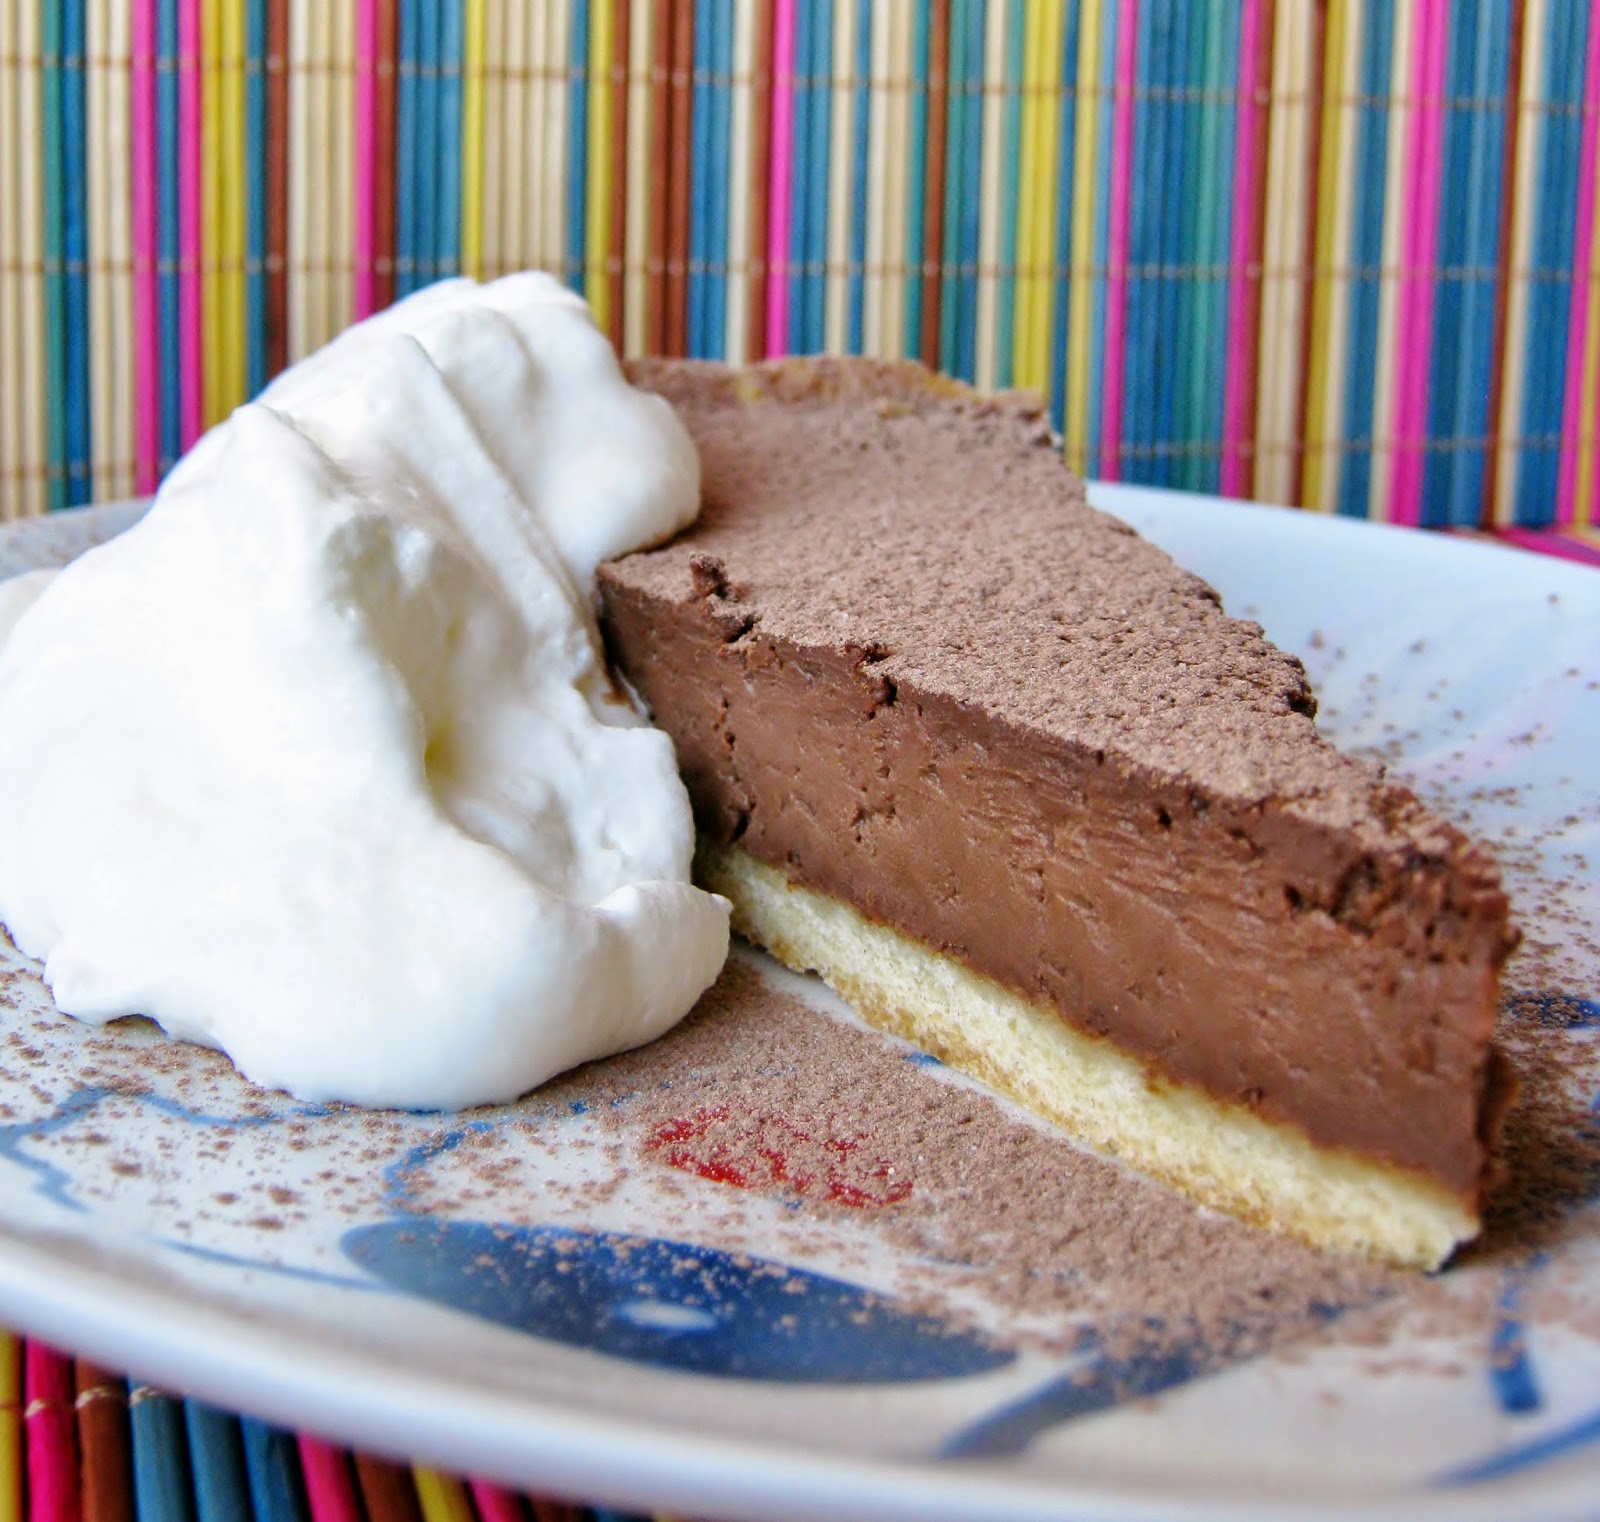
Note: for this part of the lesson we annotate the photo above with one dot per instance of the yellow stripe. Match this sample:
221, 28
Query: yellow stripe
516, 142
1311, 480
11, 1442
1530, 129
299, 182
472, 139
530, 237
233, 361
872, 306
992, 171
1027, 194
641, 176
897, 141
441, 1497
1583, 505
554, 223
98, 206
1047, 173
836, 307
1337, 359
1389, 290
1269, 485
736, 339
503, 181
12, 456
597, 239
1076, 401
30, 228
211, 327
525, 125
29, 165
339, 147
119, 244
892, 288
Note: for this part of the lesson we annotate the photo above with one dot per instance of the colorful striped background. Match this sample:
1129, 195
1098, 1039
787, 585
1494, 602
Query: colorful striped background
1341, 253
78, 1444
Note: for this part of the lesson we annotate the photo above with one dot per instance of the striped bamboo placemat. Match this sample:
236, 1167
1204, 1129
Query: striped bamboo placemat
78, 1444
1342, 253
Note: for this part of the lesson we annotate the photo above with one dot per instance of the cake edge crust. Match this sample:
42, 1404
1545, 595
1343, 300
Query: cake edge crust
1220, 1155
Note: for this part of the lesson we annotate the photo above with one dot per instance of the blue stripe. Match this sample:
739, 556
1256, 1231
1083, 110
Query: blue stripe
1458, 131
916, 181
1060, 288
1167, 213
799, 174
447, 230
405, 150
272, 1460
427, 150
167, 218
954, 181
53, 216
1216, 168
1093, 464
1199, 63
1137, 406
1184, 284
816, 334
1470, 419
861, 125
577, 143
256, 192
699, 127
1549, 293
722, 138
1366, 257
161, 1485
1214, 345
216, 1455
972, 201
1010, 160
75, 247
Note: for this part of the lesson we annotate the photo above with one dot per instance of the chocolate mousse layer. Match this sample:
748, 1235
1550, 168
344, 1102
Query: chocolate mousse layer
904, 662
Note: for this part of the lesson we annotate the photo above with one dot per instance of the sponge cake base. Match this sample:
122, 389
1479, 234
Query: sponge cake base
1220, 1155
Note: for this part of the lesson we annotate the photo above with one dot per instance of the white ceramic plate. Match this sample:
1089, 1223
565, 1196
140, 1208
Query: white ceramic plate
358, 1278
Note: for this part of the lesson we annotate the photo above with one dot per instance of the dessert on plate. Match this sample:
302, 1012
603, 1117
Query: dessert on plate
1016, 786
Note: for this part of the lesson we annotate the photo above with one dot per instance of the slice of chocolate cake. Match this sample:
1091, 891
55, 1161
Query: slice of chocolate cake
1017, 787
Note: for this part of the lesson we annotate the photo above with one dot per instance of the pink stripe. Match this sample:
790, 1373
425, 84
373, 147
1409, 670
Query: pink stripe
146, 252
1562, 546
1578, 315
190, 356
52, 1435
496, 1505
1420, 240
366, 135
782, 167
1117, 250
330, 1486
1236, 383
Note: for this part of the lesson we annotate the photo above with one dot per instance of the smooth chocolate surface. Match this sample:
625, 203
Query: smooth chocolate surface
903, 660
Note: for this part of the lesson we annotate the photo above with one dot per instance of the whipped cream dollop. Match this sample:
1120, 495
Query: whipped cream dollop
320, 762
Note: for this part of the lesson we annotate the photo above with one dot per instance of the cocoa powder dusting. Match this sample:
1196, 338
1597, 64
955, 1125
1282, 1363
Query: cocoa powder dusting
761, 1093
